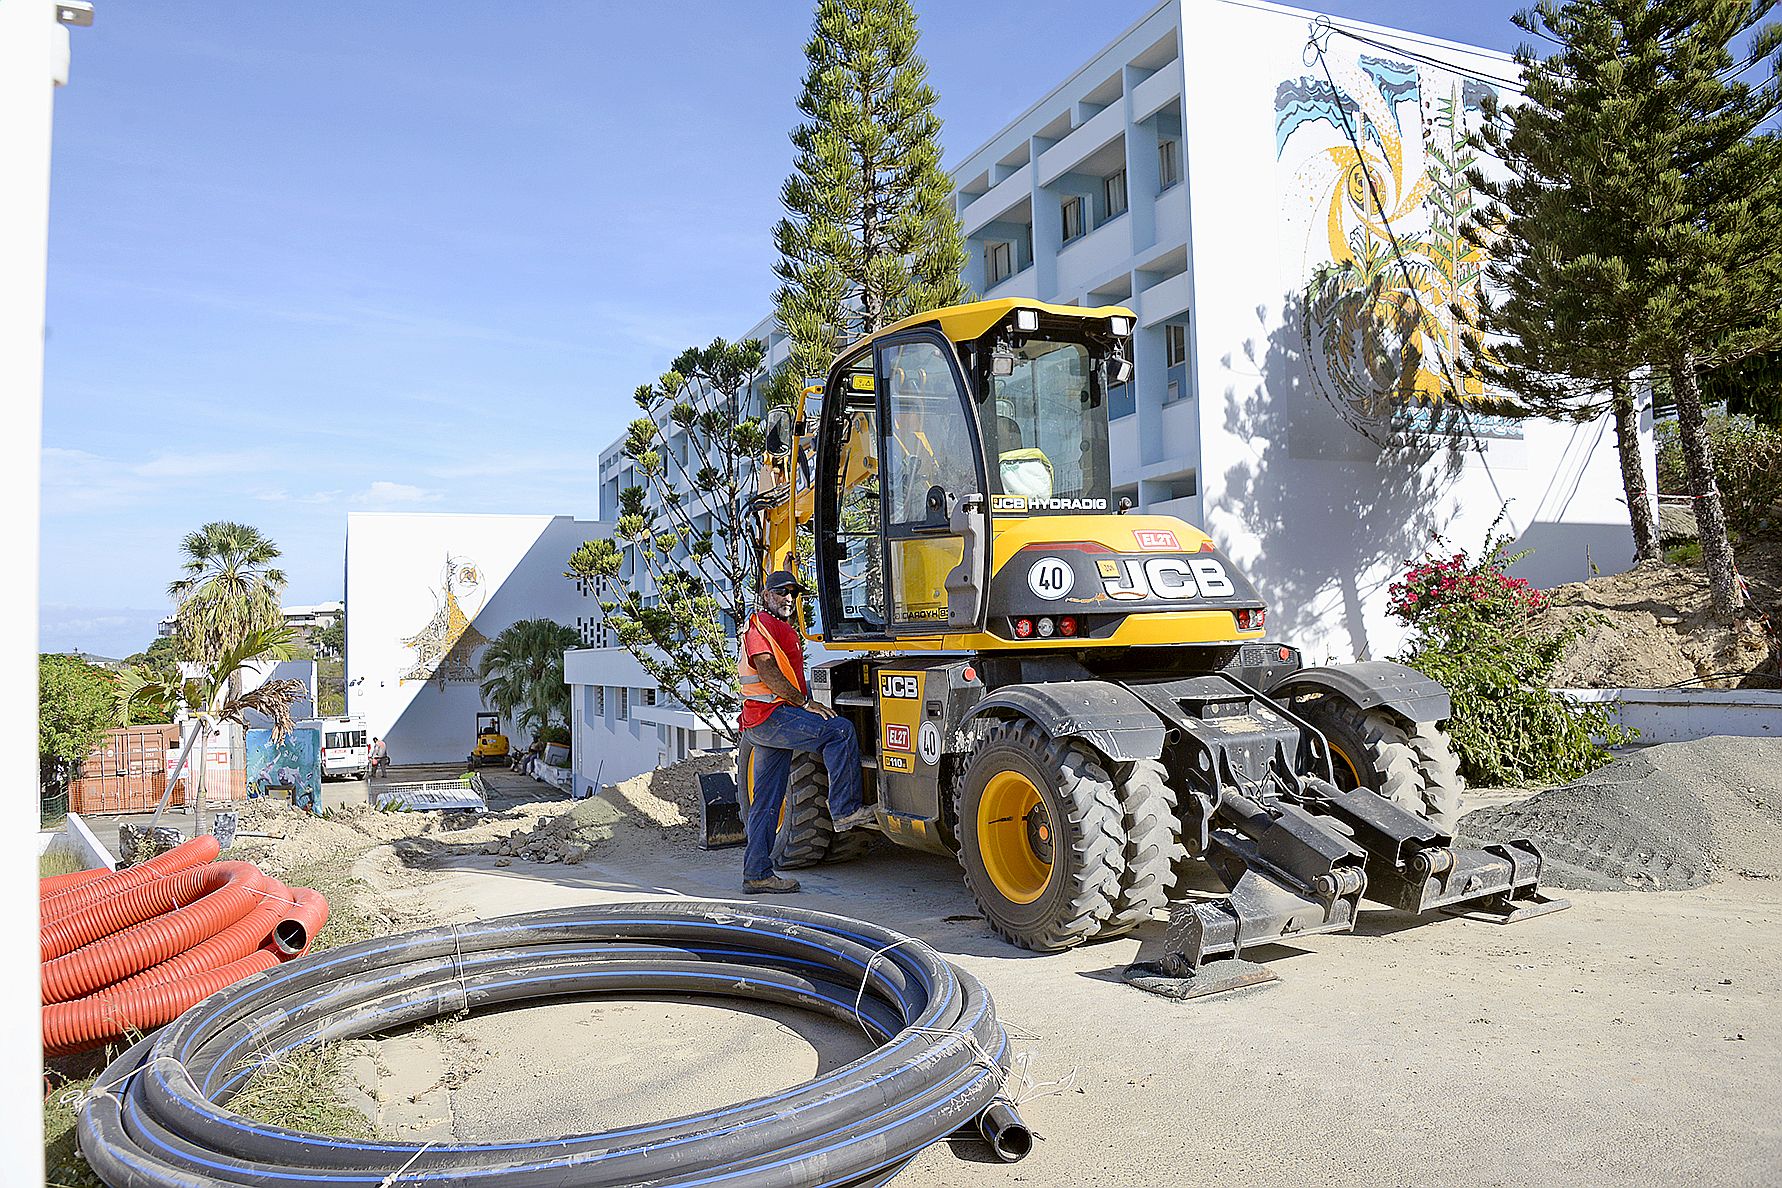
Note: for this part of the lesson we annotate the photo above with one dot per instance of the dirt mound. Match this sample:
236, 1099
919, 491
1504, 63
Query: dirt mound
1651, 628
667, 797
567, 837
1662, 819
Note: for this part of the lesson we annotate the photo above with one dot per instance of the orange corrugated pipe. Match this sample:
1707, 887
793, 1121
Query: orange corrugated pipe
303, 918
284, 923
214, 898
51, 885
90, 1022
231, 944
185, 856
119, 912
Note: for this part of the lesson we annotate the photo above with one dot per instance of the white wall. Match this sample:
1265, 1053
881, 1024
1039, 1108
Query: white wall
33, 61
611, 745
502, 569
1320, 517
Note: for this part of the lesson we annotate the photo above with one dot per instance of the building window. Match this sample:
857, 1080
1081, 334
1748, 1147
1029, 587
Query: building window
1072, 212
1173, 393
1175, 344
649, 696
599, 702
1169, 165
624, 703
1113, 191
999, 259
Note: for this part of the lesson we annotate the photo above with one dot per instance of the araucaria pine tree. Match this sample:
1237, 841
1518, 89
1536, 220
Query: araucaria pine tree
1550, 327
1671, 255
687, 529
869, 235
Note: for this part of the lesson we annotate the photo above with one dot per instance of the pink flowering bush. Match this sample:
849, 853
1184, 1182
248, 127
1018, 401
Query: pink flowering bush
1474, 628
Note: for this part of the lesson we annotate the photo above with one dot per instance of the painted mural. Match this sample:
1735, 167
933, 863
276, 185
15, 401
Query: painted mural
1374, 160
445, 648
293, 764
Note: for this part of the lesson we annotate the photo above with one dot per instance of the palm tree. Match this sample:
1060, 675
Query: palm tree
213, 697
229, 590
522, 673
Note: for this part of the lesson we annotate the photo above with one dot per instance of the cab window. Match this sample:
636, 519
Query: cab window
1046, 429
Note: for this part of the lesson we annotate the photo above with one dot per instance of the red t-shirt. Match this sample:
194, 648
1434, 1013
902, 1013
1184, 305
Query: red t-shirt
766, 633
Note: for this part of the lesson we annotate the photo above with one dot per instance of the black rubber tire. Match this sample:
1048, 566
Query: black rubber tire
807, 836
1089, 838
1443, 784
1413, 768
1153, 844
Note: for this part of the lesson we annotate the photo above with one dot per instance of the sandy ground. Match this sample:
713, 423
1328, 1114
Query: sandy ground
1633, 1038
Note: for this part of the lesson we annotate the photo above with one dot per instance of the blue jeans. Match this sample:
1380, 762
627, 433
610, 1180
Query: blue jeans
786, 730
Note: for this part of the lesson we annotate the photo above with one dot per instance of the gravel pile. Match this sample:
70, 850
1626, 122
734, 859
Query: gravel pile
1662, 819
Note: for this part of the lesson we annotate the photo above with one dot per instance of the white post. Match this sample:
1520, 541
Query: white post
33, 61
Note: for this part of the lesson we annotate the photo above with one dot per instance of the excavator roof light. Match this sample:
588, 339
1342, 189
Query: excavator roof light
1120, 327
1027, 320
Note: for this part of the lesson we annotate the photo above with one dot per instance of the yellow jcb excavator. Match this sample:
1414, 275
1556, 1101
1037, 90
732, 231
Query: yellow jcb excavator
1076, 701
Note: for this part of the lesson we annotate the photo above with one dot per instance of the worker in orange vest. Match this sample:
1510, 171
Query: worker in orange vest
778, 719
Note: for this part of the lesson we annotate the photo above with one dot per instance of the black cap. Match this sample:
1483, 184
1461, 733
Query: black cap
784, 581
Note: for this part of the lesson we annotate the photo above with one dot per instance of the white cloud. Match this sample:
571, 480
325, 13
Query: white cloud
387, 494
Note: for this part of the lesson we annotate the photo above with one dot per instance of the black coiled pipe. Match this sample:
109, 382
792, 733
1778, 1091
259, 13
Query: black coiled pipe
163, 1120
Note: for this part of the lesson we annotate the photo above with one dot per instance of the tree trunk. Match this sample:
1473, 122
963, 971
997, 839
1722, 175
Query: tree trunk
1633, 472
1710, 519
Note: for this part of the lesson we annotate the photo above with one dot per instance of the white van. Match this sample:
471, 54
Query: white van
346, 748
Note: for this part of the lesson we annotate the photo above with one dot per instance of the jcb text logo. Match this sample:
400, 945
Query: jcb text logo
1171, 578
899, 684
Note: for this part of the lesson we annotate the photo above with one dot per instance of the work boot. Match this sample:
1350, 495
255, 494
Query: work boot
857, 818
771, 885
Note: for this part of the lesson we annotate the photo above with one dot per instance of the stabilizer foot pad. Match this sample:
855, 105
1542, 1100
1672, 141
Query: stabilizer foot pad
1527, 907
1215, 977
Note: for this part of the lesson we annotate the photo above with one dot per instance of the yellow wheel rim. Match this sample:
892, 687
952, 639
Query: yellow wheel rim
1342, 763
1011, 819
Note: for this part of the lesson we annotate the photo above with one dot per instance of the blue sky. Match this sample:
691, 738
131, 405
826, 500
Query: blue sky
307, 259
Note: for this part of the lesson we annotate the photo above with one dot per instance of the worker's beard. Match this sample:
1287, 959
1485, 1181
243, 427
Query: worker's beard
789, 614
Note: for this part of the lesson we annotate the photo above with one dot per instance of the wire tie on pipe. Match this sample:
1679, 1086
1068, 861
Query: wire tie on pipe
866, 975
396, 1175
458, 968
261, 891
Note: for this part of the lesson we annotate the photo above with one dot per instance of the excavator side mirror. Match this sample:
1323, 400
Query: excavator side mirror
778, 430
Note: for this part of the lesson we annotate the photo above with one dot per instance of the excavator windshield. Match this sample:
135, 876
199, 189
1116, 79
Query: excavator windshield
1045, 425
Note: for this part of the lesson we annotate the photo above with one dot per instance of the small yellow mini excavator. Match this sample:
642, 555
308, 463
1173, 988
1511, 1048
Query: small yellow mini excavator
1077, 702
491, 744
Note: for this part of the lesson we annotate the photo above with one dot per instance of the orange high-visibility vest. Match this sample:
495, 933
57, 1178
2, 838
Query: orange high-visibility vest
753, 687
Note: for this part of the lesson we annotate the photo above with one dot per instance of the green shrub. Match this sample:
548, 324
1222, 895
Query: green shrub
1747, 467
1473, 629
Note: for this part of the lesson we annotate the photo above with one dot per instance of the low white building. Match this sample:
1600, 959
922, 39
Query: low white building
622, 723
426, 593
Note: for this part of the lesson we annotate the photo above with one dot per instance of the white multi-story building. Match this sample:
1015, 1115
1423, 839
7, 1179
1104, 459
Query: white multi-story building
1269, 192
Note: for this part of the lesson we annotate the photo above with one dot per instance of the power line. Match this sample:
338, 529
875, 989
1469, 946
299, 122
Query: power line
1323, 27
1319, 37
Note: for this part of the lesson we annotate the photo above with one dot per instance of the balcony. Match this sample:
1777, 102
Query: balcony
998, 199
1063, 156
1158, 91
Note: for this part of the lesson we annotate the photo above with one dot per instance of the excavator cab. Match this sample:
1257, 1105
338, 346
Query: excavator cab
934, 430
1075, 701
